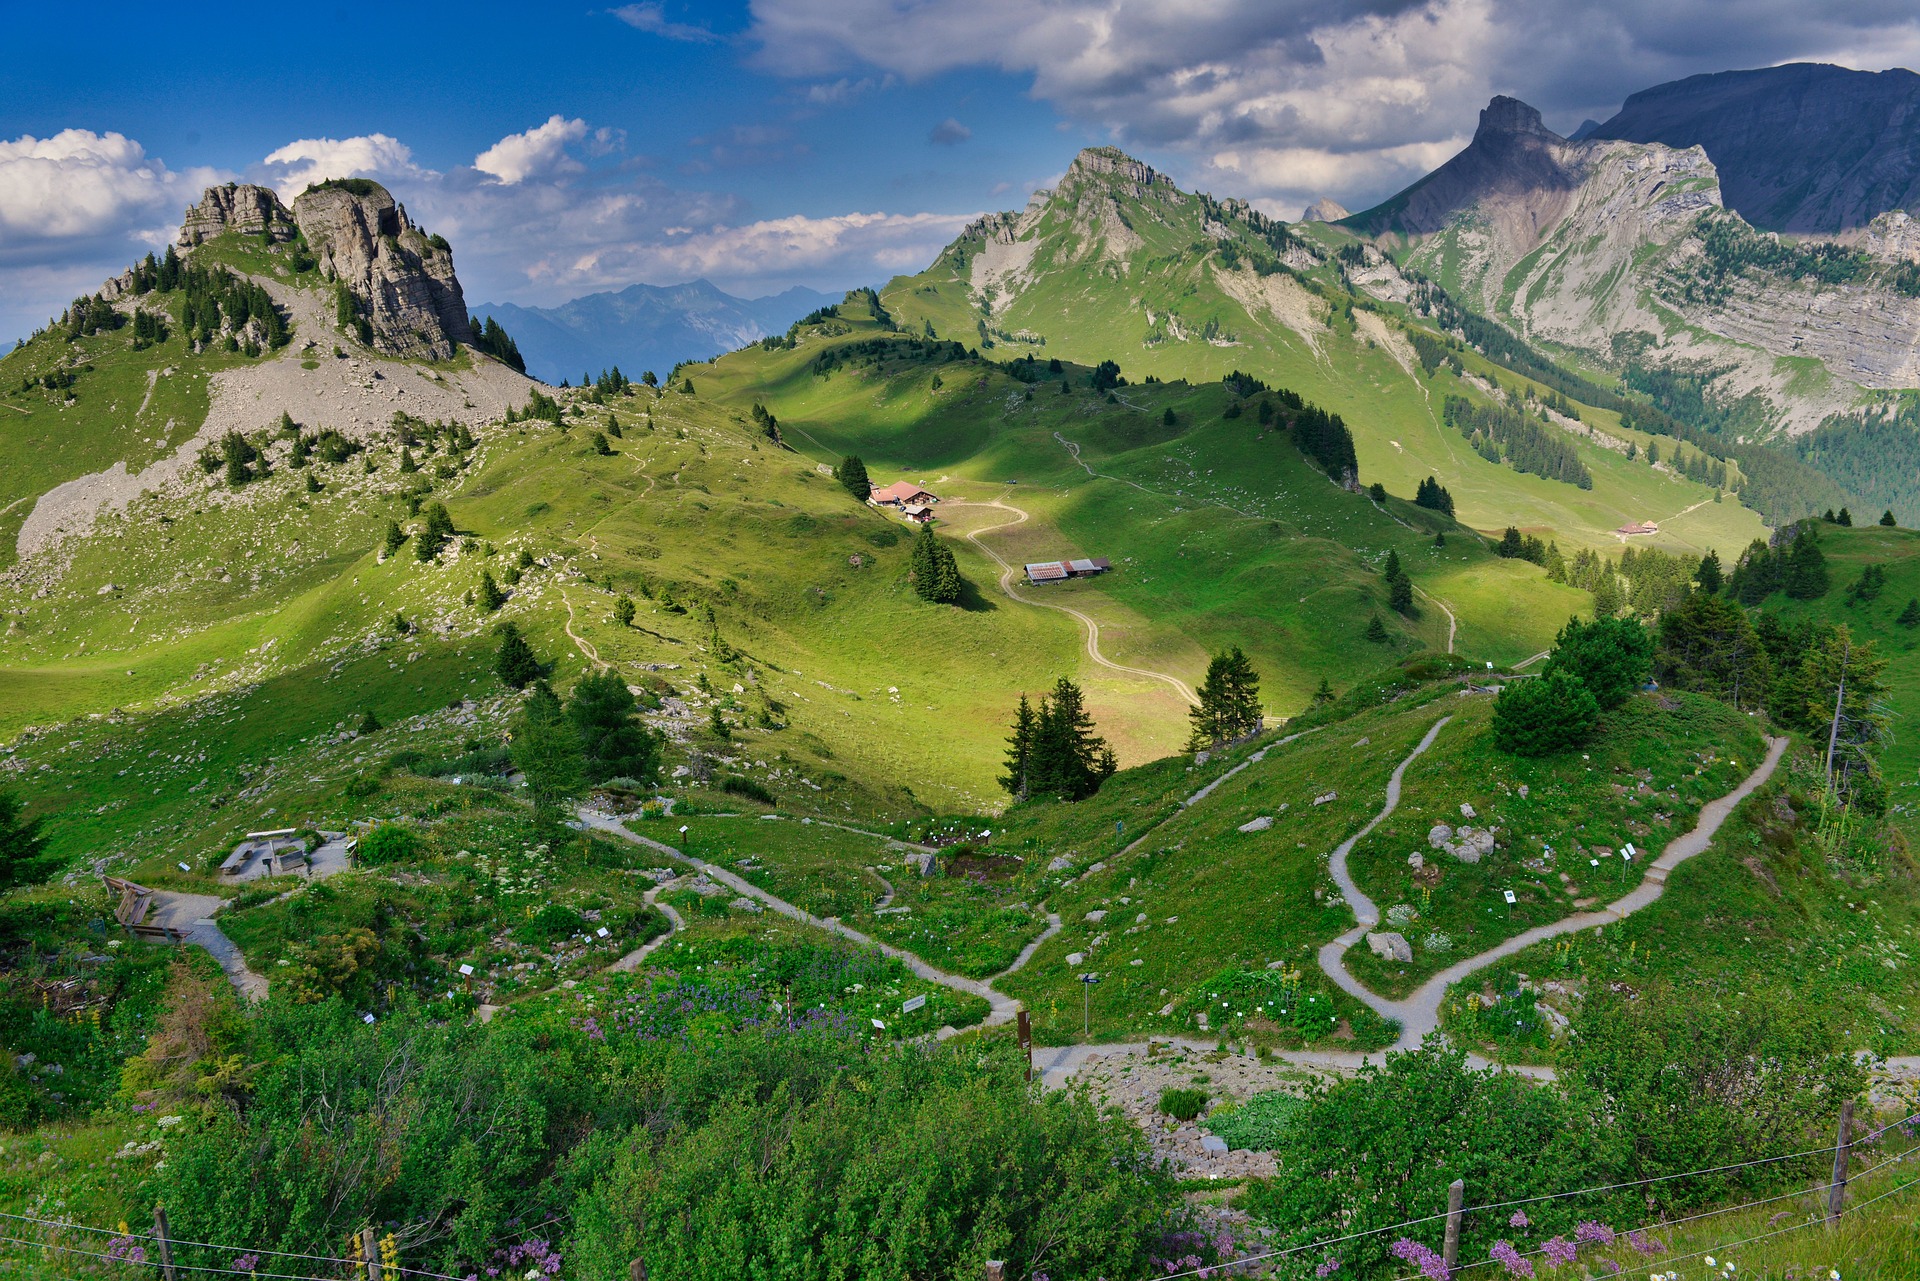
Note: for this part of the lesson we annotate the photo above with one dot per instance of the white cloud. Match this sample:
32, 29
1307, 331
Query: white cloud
1353, 95
78, 184
949, 133
652, 19
76, 208
539, 151
301, 163
848, 245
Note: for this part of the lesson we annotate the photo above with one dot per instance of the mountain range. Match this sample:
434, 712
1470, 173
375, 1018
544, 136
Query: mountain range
645, 327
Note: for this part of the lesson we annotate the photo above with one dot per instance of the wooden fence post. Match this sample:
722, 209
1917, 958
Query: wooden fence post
370, 1254
1456, 1197
163, 1245
1842, 1149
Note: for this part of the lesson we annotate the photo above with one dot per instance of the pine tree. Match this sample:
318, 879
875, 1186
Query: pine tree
614, 744
1543, 715
1376, 630
1068, 760
1439, 538
1886, 518
489, 595
1806, 576
546, 751
852, 473
1709, 575
1910, 616
935, 572
1845, 518
1325, 695
600, 445
407, 465
1229, 701
1391, 570
515, 664
369, 724
1400, 594
394, 537
623, 611
1020, 751
1511, 544
435, 534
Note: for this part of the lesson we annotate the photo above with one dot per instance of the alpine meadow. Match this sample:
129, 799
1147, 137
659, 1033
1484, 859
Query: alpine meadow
1125, 737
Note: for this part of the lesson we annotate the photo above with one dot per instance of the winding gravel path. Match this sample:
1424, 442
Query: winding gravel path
1419, 1012
1008, 572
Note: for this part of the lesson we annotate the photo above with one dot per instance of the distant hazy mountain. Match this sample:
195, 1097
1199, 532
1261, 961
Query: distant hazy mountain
1805, 148
645, 327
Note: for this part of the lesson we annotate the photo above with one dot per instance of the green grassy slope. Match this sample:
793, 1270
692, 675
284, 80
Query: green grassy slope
1163, 300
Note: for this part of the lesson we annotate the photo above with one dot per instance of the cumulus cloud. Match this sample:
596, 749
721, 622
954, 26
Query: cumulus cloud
949, 133
305, 161
79, 185
540, 150
76, 208
847, 246
1293, 99
652, 19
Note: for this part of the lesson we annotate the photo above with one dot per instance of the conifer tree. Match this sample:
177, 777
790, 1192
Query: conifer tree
435, 534
1910, 616
515, 664
546, 751
1066, 760
614, 744
1709, 575
1229, 701
23, 850
852, 473
1325, 695
394, 537
1020, 751
1376, 630
623, 611
1806, 576
407, 465
488, 595
936, 574
1886, 518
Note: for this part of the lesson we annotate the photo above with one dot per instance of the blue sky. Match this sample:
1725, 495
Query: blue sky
565, 149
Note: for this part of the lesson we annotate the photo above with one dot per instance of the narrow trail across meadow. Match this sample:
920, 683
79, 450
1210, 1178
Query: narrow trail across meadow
1008, 572
1418, 1013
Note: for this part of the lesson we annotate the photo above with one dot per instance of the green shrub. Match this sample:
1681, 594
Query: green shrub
1541, 716
550, 925
735, 785
1613, 657
388, 843
1183, 1104
1261, 1123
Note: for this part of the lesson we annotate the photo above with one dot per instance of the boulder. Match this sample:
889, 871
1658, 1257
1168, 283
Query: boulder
1416, 860
1260, 824
1466, 810
1439, 835
921, 861
1076, 958
1061, 863
1098, 915
1393, 947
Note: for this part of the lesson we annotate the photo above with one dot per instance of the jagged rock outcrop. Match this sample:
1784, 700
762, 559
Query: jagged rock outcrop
402, 280
1577, 243
239, 207
1324, 209
1806, 147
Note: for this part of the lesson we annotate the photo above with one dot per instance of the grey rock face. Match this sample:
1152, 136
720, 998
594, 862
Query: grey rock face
403, 281
240, 207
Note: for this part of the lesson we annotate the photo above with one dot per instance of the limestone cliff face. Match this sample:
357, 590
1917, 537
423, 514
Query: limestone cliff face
402, 281
1579, 243
236, 207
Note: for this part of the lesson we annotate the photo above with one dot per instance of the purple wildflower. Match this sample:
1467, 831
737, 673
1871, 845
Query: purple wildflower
1327, 1268
1511, 1259
1613, 1269
1559, 1250
1592, 1233
137, 1255
244, 1263
1644, 1243
1519, 1220
1431, 1265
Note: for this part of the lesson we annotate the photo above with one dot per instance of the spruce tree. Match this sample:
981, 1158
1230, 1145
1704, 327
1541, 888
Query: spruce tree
852, 473
1376, 630
1325, 695
369, 724
394, 537
1511, 544
1020, 751
1806, 576
1886, 518
623, 611
1400, 593
614, 744
1229, 701
435, 534
1543, 715
546, 751
1910, 616
1845, 518
489, 595
600, 445
515, 664
1068, 760
1709, 575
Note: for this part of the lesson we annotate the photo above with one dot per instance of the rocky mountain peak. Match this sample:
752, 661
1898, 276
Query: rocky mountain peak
401, 279
1506, 115
1110, 165
240, 207
1324, 209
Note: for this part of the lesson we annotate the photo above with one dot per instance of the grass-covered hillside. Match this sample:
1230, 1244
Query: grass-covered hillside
1117, 264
